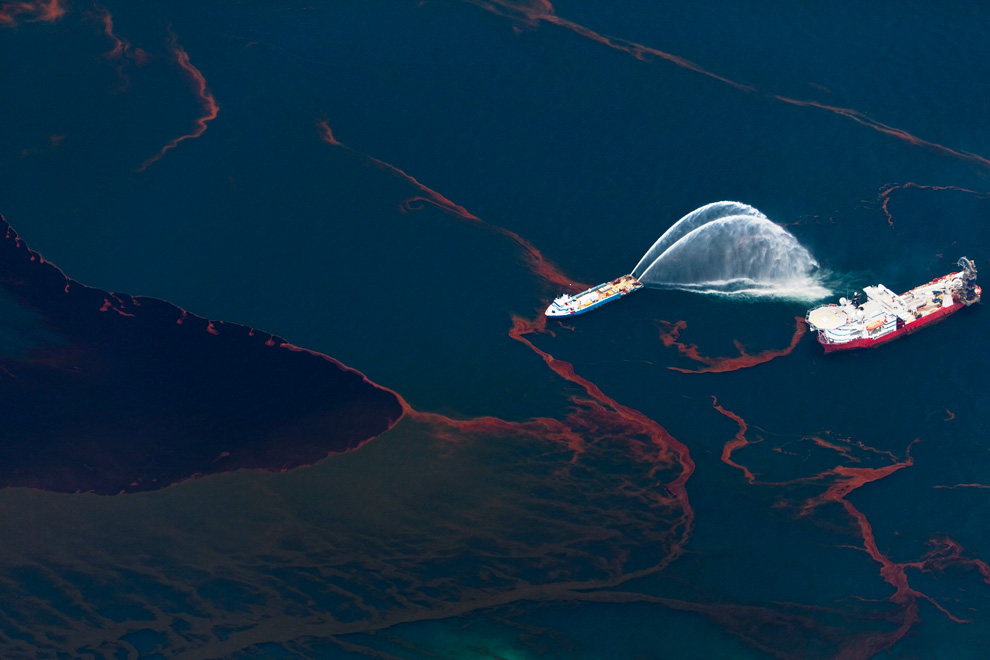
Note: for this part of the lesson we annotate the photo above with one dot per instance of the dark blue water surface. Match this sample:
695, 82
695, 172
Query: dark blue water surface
403, 186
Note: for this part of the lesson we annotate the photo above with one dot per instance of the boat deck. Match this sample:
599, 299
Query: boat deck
885, 315
566, 305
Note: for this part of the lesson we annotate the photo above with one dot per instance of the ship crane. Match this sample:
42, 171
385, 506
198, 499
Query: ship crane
968, 273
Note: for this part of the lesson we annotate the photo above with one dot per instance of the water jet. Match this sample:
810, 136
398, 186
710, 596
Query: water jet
727, 248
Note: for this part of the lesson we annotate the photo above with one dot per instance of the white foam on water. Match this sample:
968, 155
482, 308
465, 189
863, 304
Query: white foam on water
731, 249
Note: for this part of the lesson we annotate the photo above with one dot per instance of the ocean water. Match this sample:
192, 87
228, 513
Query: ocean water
403, 186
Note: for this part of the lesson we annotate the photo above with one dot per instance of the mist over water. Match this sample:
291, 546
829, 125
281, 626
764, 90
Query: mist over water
731, 248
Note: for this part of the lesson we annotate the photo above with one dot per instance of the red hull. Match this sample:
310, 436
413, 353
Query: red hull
866, 342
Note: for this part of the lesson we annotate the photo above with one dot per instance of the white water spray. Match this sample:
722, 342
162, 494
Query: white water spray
731, 248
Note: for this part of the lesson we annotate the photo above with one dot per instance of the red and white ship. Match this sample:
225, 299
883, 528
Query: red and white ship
885, 316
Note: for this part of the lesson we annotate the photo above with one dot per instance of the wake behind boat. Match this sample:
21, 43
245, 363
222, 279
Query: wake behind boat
596, 296
885, 316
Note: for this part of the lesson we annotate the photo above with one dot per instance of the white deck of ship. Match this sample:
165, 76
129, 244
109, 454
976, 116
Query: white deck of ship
599, 294
882, 311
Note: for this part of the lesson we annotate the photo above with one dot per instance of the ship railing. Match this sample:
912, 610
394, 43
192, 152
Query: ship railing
824, 338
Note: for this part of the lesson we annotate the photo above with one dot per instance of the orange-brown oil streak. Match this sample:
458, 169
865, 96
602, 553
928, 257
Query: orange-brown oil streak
543, 11
534, 12
888, 189
47, 11
207, 101
954, 486
845, 452
543, 427
893, 573
744, 360
667, 447
118, 44
738, 441
121, 47
948, 552
121, 50
898, 133
666, 443
550, 273
539, 264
